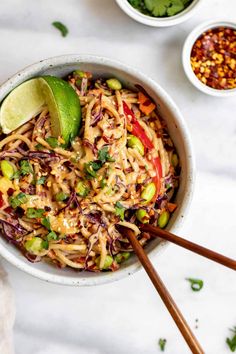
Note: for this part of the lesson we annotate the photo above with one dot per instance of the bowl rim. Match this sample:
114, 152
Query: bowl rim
159, 21
46, 64
186, 53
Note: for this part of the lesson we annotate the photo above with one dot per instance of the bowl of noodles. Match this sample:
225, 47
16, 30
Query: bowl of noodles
130, 162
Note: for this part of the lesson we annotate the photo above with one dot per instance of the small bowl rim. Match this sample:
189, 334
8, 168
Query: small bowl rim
46, 64
186, 53
158, 21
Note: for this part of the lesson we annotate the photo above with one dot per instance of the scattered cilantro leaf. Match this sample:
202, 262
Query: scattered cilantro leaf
46, 223
39, 147
162, 344
232, 341
61, 27
103, 183
33, 213
16, 201
25, 168
16, 175
196, 284
41, 180
53, 142
120, 210
103, 155
90, 169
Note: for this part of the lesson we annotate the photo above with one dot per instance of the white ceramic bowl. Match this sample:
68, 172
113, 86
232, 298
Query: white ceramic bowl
61, 66
186, 55
159, 21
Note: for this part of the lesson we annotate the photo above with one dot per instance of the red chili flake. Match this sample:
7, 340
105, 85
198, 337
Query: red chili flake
213, 58
10, 192
1, 200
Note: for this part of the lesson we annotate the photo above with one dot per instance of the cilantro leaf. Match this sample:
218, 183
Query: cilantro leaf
120, 210
25, 168
33, 213
61, 27
53, 142
41, 180
104, 156
52, 236
232, 341
90, 169
162, 344
103, 183
196, 284
16, 201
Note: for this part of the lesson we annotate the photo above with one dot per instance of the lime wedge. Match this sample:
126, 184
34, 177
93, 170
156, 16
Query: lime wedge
28, 99
23, 103
63, 105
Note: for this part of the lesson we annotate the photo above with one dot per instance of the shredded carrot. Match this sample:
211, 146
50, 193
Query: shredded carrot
171, 207
145, 104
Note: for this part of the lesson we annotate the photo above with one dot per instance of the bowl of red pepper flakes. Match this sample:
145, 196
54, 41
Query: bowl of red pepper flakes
209, 58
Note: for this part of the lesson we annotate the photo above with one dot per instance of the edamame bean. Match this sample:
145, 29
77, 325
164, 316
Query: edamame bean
61, 196
108, 262
121, 257
163, 219
148, 192
135, 143
79, 73
35, 245
7, 169
175, 160
114, 84
142, 216
81, 189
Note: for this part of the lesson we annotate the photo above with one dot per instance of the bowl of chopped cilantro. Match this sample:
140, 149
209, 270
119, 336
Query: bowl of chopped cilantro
159, 13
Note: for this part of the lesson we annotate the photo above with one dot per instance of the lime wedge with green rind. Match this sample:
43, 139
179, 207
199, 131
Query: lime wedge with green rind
63, 105
28, 99
22, 104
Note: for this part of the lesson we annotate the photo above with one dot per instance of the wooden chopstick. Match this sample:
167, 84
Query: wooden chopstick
163, 292
191, 246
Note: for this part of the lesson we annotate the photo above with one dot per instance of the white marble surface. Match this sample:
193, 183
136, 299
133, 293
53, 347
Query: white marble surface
128, 316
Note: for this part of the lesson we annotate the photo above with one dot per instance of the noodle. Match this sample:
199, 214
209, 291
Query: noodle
63, 204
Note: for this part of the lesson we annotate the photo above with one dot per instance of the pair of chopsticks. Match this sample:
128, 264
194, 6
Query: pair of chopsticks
169, 302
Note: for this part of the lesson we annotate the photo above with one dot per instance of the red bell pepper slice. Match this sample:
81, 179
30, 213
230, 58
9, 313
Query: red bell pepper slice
140, 133
137, 129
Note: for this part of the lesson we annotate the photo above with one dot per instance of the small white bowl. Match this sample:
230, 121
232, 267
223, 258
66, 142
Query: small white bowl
159, 21
186, 55
104, 67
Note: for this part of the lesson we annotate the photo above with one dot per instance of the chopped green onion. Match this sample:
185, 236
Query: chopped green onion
108, 262
7, 169
33, 213
16, 201
82, 189
35, 245
196, 284
52, 236
121, 257
46, 223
